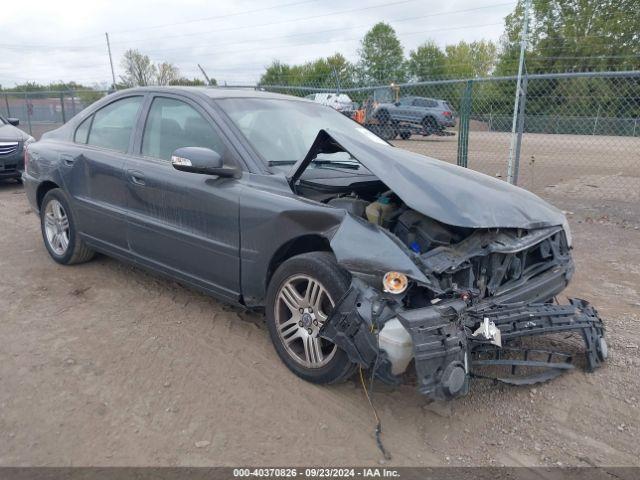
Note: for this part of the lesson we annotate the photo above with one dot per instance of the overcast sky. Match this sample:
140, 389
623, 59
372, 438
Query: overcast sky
46, 40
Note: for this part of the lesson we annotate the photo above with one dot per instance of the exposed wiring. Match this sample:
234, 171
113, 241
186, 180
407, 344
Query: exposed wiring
378, 430
369, 394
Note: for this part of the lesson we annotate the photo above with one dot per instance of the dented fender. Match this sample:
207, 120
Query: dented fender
366, 249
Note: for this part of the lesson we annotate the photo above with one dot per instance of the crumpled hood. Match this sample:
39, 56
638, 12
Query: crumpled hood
448, 193
9, 133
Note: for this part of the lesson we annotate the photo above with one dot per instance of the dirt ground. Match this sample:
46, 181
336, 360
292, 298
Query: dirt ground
104, 364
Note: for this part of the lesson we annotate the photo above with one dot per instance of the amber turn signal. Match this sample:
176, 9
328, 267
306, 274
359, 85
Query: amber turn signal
395, 282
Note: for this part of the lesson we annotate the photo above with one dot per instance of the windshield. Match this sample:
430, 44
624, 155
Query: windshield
282, 131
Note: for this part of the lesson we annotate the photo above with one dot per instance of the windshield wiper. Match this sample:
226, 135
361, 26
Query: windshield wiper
337, 163
273, 163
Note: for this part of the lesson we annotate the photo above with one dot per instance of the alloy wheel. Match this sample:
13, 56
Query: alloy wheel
302, 306
56, 227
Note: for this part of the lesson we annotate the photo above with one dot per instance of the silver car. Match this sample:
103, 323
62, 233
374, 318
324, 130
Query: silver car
430, 113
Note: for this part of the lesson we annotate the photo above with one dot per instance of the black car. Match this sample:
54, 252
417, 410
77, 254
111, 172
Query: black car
12, 144
360, 254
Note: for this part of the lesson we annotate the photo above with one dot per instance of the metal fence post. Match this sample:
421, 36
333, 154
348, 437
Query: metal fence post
6, 100
73, 103
26, 104
521, 114
463, 130
64, 119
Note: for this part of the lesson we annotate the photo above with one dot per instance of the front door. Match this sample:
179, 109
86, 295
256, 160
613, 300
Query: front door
185, 224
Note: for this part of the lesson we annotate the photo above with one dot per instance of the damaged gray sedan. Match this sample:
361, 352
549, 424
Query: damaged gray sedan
362, 255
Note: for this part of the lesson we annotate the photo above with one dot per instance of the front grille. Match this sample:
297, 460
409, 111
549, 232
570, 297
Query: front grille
8, 148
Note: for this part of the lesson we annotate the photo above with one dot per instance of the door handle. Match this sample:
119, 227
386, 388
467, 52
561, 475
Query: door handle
136, 177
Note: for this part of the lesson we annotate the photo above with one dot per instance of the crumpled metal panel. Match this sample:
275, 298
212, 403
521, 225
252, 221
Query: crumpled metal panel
450, 194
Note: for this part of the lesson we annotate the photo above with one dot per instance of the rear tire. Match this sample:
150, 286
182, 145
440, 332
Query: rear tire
430, 125
59, 231
300, 297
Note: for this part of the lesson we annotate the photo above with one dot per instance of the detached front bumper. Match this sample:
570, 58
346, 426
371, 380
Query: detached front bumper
454, 341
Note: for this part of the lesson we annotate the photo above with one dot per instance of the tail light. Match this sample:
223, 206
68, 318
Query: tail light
447, 114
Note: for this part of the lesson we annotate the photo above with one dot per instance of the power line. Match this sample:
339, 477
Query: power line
282, 22
322, 42
273, 7
307, 34
334, 29
216, 17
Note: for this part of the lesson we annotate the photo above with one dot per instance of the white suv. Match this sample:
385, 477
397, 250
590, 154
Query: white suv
339, 101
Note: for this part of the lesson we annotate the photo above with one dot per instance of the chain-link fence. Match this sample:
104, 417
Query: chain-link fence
40, 112
577, 140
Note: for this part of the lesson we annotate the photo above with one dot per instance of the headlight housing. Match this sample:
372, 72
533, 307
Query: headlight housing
29, 140
395, 282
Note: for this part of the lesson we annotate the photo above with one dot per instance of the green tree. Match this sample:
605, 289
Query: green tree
475, 59
277, 73
426, 62
191, 82
381, 55
573, 35
324, 72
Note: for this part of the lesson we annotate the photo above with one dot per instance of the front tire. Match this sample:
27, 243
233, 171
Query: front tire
59, 231
300, 297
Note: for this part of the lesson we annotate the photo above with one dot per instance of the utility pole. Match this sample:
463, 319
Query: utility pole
113, 74
514, 137
205, 74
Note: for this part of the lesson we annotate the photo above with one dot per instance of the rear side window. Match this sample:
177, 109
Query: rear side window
424, 102
172, 124
113, 124
82, 132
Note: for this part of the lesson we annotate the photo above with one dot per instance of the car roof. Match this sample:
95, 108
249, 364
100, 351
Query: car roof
217, 92
412, 97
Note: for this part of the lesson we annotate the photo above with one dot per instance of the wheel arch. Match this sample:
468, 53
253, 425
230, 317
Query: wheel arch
42, 190
296, 246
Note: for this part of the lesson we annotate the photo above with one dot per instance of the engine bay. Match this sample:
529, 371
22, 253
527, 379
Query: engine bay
477, 262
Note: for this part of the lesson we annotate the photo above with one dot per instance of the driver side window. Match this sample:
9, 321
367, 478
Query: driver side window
172, 124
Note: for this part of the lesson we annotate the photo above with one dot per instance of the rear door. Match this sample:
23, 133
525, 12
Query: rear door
92, 169
184, 224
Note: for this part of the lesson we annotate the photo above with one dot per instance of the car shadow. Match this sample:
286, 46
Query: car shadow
7, 184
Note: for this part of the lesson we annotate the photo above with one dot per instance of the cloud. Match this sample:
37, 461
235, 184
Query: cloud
234, 41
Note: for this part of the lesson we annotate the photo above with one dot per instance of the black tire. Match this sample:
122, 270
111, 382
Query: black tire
388, 131
405, 134
383, 117
430, 125
77, 250
322, 267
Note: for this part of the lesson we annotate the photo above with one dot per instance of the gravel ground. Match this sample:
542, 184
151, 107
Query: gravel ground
104, 364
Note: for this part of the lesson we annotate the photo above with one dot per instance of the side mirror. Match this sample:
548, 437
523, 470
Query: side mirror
201, 160
13, 121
